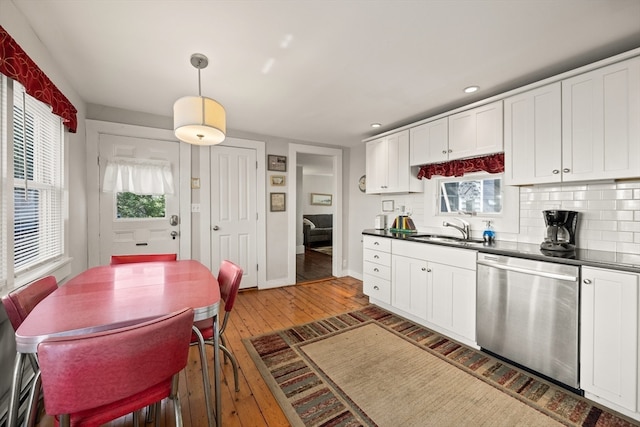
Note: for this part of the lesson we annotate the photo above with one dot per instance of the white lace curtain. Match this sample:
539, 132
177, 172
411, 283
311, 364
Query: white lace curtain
138, 176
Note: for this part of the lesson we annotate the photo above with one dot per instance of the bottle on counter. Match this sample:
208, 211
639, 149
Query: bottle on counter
489, 236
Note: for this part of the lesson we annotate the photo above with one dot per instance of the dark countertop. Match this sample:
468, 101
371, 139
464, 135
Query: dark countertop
581, 257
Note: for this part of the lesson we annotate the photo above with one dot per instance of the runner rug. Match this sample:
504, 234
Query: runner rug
373, 368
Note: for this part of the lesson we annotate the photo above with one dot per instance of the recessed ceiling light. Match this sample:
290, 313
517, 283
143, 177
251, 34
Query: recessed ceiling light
471, 89
375, 125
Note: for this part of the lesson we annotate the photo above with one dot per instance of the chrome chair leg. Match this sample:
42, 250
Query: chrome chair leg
34, 398
205, 375
234, 364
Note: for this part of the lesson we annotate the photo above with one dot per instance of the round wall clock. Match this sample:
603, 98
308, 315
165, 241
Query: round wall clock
468, 190
362, 183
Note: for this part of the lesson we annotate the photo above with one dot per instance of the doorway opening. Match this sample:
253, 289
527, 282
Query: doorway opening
314, 205
315, 248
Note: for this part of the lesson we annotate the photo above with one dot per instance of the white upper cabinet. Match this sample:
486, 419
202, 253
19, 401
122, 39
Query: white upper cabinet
429, 142
601, 123
533, 136
476, 132
387, 165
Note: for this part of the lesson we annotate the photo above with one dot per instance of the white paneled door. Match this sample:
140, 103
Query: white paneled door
234, 211
133, 223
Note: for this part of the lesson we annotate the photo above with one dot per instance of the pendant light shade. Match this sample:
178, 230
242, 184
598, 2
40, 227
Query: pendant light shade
199, 120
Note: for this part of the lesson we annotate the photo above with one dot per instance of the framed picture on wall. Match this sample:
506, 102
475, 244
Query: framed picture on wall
278, 180
321, 199
278, 202
276, 163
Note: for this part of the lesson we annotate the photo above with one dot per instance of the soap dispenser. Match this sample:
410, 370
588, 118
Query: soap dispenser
489, 236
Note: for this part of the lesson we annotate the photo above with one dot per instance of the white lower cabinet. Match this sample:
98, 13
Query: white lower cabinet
609, 339
410, 279
452, 299
437, 285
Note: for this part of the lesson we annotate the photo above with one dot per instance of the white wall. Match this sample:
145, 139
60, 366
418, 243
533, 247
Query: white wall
320, 184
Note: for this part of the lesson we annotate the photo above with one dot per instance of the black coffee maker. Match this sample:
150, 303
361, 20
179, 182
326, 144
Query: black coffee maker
561, 230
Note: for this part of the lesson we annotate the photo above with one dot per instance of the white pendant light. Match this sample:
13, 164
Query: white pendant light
199, 120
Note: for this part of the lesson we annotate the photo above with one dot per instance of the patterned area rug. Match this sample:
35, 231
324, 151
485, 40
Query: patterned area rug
317, 385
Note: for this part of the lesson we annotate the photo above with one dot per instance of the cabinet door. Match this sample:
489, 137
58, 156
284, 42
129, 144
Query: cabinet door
601, 123
609, 335
476, 132
409, 285
376, 165
429, 142
397, 163
451, 299
533, 136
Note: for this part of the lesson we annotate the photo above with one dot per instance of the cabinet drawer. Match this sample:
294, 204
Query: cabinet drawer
377, 243
377, 257
377, 288
457, 257
381, 271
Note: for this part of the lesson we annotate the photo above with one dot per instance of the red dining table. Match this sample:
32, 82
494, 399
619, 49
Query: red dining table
109, 297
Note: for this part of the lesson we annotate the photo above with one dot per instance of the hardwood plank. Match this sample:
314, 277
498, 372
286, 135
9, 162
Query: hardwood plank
255, 312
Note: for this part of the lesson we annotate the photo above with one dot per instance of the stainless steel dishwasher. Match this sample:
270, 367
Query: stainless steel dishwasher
527, 312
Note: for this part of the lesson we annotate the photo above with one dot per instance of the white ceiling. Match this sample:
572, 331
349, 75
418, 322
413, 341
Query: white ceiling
323, 70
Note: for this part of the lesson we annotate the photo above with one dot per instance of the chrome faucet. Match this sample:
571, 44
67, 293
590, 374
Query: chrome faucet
465, 229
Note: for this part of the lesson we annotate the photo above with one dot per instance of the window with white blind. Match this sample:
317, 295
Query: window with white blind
32, 201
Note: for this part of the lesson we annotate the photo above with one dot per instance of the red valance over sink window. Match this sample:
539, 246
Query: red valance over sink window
493, 163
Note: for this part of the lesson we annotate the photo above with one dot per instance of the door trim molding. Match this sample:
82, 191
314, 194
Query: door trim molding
336, 155
94, 128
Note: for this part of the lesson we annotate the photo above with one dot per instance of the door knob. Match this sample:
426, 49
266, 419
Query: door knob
174, 234
215, 228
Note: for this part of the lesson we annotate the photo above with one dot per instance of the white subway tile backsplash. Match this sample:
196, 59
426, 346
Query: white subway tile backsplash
629, 226
609, 213
561, 195
602, 204
617, 215
632, 248
602, 186
631, 205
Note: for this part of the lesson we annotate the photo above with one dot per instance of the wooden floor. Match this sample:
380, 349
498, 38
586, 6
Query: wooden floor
312, 265
255, 312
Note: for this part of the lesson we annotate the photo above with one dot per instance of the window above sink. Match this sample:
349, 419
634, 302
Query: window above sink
472, 196
475, 197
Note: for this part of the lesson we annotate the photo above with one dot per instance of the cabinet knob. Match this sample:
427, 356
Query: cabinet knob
449, 150
587, 281
376, 288
376, 256
428, 270
556, 171
424, 269
376, 243
376, 270
444, 151
566, 170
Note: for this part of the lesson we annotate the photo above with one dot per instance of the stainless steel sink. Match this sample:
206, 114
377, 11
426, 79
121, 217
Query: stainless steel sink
446, 239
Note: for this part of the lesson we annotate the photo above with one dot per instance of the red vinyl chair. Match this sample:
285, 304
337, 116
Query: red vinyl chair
89, 380
229, 277
18, 304
127, 259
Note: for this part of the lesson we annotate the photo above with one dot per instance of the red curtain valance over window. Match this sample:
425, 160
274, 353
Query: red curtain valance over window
16, 64
493, 163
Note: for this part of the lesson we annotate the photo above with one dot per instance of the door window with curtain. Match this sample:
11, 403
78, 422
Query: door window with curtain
33, 197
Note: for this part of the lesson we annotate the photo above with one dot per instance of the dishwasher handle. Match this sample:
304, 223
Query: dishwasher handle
501, 266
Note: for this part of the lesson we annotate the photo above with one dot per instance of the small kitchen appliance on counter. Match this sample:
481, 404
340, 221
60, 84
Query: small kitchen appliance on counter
561, 230
381, 222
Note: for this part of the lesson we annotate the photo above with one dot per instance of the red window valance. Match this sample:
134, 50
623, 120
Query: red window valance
493, 163
16, 64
